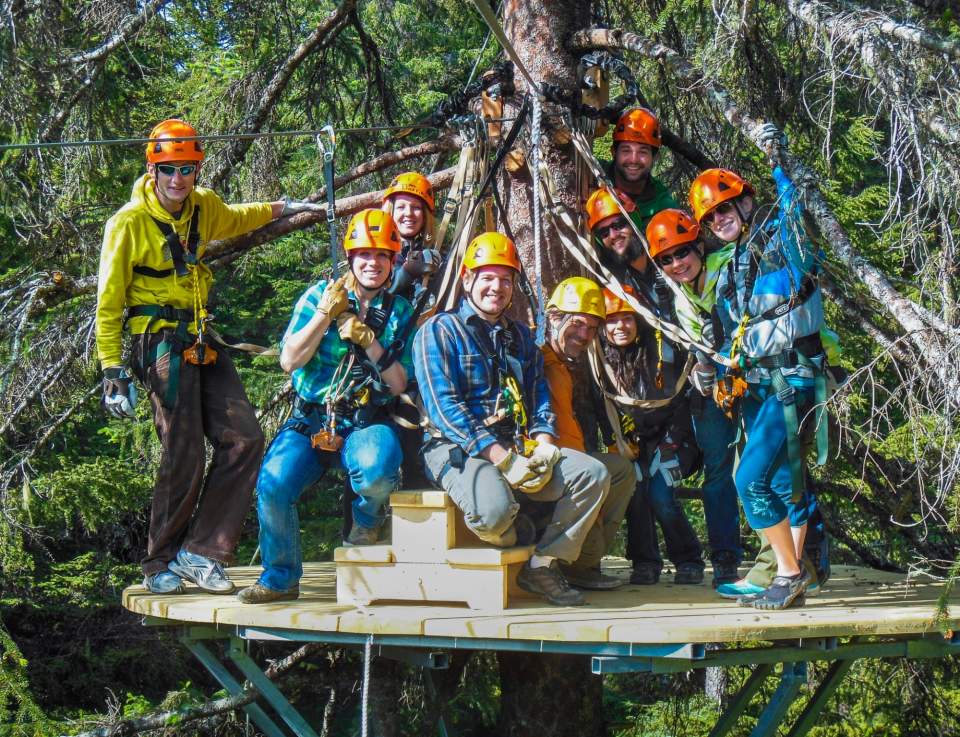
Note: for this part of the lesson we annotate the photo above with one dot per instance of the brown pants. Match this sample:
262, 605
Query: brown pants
200, 515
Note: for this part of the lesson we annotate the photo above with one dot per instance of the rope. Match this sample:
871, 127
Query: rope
367, 648
537, 224
486, 12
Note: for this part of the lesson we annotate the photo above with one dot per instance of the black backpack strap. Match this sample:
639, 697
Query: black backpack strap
172, 240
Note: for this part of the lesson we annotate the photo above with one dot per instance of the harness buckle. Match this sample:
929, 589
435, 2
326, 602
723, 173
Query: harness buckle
787, 395
327, 440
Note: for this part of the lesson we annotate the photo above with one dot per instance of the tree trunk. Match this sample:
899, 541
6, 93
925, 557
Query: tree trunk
546, 694
554, 695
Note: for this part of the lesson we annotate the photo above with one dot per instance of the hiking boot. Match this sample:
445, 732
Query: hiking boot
360, 535
688, 574
782, 593
164, 582
725, 570
260, 594
645, 575
205, 572
548, 582
590, 579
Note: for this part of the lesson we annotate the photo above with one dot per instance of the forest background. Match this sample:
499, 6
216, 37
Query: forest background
871, 108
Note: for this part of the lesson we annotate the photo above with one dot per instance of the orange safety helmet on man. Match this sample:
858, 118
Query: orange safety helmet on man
412, 183
371, 228
670, 228
714, 186
174, 149
603, 204
614, 304
491, 249
638, 126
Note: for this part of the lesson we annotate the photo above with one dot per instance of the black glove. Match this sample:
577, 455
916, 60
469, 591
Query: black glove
422, 262
119, 394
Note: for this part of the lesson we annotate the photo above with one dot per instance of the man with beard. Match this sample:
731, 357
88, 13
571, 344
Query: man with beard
345, 367
493, 446
636, 143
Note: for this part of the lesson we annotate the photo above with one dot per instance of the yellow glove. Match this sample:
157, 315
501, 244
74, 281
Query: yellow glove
353, 330
333, 301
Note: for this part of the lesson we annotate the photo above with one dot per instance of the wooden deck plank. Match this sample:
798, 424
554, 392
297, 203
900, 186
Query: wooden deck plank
856, 601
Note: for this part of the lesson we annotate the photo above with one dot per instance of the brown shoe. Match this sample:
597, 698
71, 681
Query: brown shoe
260, 594
590, 579
549, 583
362, 536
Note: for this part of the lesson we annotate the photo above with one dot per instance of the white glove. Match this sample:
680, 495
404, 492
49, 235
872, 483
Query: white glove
667, 465
292, 207
704, 378
119, 393
769, 134
530, 474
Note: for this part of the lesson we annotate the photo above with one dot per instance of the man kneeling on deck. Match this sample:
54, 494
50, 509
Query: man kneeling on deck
340, 350
494, 437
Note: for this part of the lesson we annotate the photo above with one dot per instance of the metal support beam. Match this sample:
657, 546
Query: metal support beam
218, 671
428, 659
793, 676
270, 692
819, 699
647, 658
738, 705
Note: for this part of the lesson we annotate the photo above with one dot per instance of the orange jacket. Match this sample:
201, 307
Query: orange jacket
560, 382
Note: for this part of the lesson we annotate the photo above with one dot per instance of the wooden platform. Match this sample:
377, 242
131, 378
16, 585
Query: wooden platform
856, 601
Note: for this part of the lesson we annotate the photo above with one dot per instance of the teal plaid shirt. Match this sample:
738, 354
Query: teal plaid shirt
311, 380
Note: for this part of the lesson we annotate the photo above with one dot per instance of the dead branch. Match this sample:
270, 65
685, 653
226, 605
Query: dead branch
163, 719
321, 36
862, 316
916, 320
907, 32
128, 27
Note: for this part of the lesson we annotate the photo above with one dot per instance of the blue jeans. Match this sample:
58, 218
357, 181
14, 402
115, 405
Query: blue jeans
763, 477
716, 434
654, 500
371, 457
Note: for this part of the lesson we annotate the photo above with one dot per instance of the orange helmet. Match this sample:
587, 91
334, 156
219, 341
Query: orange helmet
173, 149
491, 249
603, 204
371, 228
639, 126
669, 228
614, 304
411, 183
714, 186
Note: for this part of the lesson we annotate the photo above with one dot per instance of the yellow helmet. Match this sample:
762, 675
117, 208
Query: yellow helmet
371, 228
578, 295
491, 249
413, 183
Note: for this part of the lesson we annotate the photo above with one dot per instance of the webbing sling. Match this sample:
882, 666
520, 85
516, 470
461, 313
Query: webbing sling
175, 245
174, 346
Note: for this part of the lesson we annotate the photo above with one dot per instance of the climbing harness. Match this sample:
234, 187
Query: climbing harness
327, 152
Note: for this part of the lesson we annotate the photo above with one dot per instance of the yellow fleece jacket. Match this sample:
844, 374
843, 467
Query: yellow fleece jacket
131, 238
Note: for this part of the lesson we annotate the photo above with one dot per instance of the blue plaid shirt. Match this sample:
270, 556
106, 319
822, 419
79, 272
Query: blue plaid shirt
311, 380
459, 386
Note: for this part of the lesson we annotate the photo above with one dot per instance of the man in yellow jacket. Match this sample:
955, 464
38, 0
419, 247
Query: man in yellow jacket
151, 267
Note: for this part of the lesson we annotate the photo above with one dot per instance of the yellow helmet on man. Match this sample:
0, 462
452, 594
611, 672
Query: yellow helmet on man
578, 295
491, 249
371, 228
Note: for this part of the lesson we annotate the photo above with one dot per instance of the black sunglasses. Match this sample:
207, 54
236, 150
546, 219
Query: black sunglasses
668, 258
168, 170
722, 209
619, 224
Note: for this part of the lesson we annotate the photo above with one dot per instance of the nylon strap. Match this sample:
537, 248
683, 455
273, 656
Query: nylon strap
328, 175
787, 395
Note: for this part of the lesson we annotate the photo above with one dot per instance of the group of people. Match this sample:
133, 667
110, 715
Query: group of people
501, 431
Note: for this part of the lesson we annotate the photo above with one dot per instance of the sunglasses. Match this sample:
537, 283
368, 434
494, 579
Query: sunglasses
669, 258
724, 208
168, 170
619, 224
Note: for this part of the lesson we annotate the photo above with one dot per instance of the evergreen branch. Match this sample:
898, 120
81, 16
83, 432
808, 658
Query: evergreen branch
128, 27
321, 37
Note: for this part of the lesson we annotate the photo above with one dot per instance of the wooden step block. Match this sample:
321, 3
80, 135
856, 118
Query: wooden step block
426, 524
476, 584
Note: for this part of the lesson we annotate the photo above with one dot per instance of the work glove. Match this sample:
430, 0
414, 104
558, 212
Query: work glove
293, 207
334, 301
119, 394
704, 378
530, 474
769, 136
353, 330
666, 462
